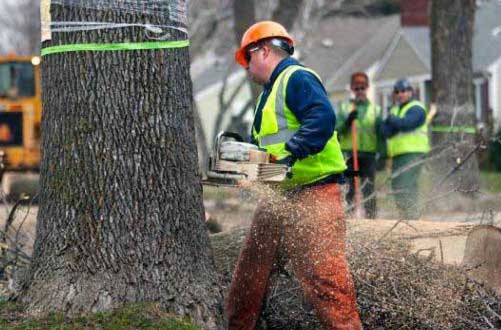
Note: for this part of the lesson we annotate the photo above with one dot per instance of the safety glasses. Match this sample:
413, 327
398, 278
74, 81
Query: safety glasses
251, 50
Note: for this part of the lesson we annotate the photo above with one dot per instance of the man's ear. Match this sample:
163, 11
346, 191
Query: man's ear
266, 51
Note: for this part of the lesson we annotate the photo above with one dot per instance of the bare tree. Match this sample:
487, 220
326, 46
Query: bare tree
244, 15
287, 12
20, 21
121, 216
202, 146
452, 69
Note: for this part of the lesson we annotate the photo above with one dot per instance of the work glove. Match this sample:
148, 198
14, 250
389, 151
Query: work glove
289, 161
351, 117
394, 121
387, 130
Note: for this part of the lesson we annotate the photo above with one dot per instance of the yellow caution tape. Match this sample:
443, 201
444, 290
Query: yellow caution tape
454, 129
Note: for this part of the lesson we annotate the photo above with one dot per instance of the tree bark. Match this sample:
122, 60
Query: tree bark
452, 90
121, 215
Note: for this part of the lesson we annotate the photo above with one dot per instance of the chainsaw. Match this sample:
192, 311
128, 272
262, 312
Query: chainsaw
233, 161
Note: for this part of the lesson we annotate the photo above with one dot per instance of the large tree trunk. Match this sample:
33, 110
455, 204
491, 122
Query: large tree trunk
121, 215
452, 69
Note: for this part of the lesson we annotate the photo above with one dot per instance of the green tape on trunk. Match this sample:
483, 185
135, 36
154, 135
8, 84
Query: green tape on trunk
453, 129
114, 47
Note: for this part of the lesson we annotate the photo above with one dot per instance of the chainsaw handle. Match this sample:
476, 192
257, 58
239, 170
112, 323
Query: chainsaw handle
233, 135
219, 138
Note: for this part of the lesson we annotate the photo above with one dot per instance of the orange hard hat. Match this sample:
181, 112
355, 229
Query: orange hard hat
259, 31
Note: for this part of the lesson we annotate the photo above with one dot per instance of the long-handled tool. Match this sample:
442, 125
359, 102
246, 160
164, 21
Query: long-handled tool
233, 161
356, 178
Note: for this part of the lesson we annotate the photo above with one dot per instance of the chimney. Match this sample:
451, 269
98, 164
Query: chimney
415, 12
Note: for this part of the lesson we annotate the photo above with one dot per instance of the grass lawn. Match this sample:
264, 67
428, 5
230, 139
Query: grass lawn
491, 182
138, 316
490, 185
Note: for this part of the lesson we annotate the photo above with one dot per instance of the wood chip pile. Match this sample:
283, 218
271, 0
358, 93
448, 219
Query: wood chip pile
396, 288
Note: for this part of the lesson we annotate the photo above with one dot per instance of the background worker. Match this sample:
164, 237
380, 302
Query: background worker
294, 122
406, 130
367, 117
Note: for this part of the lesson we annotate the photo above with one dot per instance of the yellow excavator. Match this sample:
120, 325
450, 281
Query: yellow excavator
20, 113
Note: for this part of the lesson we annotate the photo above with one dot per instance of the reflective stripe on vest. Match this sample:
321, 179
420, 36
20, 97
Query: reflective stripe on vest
366, 128
279, 124
284, 133
415, 141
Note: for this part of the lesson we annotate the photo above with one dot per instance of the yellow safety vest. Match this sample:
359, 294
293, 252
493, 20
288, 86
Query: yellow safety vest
415, 141
279, 124
366, 128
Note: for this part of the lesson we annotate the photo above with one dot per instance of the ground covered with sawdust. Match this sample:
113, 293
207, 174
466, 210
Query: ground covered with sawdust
408, 274
397, 288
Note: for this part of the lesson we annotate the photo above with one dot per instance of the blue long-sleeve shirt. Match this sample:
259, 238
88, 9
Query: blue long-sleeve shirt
414, 117
307, 99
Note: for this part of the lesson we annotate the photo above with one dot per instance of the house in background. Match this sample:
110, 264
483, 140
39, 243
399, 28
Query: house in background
340, 46
409, 55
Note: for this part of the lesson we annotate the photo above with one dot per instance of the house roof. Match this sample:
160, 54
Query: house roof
419, 39
403, 58
486, 46
359, 43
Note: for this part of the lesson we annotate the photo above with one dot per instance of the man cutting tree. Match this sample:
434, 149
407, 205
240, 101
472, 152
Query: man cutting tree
294, 122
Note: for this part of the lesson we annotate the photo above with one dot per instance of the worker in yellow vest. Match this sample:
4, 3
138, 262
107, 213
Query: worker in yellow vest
406, 131
294, 121
367, 118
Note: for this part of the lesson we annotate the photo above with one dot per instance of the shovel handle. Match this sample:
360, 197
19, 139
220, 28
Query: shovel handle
356, 178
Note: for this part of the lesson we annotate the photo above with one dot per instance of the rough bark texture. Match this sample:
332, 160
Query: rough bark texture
452, 69
121, 211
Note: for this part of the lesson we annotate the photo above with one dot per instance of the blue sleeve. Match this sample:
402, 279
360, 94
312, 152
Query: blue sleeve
414, 117
307, 99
